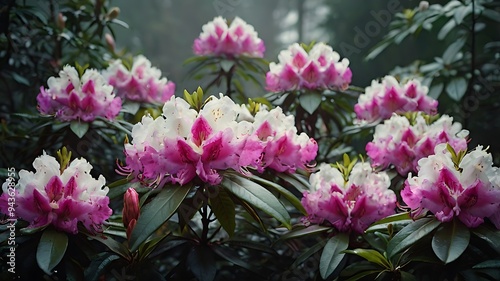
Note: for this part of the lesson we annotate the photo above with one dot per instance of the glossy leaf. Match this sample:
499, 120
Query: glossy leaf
456, 88
411, 234
157, 212
112, 244
488, 234
285, 192
371, 256
333, 254
401, 218
51, 249
310, 101
257, 196
224, 209
79, 128
303, 231
201, 261
450, 240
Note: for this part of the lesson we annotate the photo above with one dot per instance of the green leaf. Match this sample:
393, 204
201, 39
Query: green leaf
257, 196
488, 264
112, 244
406, 276
401, 218
436, 90
446, 29
303, 231
79, 128
51, 249
156, 212
371, 256
333, 254
456, 88
98, 266
410, 234
450, 240
201, 261
224, 209
285, 192
452, 50
362, 274
379, 48
310, 101
489, 235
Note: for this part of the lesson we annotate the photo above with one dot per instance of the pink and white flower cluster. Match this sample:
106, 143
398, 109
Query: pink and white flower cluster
388, 96
49, 197
70, 97
183, 144
318, 69
469, 192
349, 206
236, 39
401, 143
142, 83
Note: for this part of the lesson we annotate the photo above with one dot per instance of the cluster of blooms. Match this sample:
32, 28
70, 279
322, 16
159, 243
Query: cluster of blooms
402, 144
348, 206
469, 192
237, 39
319, 69
70, 97
61, 199
183, 144
388, 96
143, 83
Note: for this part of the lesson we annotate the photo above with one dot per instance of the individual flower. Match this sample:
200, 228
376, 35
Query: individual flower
388, 96
352, 204
401, 142
71, 97
131, 210
298, 69
184, 144
237, 38
61, 199
469, 191
142, 83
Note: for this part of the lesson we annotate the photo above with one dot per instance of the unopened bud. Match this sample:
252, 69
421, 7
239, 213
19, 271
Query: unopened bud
424, 5
110, 41
61, 21
130, 207
113, 14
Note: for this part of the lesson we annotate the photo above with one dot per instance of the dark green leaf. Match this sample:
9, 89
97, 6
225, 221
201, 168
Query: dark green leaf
456, 88
231, 257
201, 261
303, 231
410, 234
224, 209
286, 193
333, 254
79, 128
450, 240
257, 196
406, 276
51, 249
112, 244
310, 101
371, 256
401, 218
488, 234
362, 274
97, 266
157, 212
488, 264
309, 252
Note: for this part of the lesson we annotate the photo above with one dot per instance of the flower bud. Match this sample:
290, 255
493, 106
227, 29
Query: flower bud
110, 41
130, 208
113, 14
61, 21
424, 5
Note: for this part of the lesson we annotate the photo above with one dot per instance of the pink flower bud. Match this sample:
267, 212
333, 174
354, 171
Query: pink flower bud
110, 41
61, 21
130, 208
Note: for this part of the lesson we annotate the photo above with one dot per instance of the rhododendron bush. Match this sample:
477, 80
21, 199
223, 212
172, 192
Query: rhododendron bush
134, 179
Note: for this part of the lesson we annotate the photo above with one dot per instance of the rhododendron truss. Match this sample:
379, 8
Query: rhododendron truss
232, 39
142, 83
71, 97
61, 199
455, 185
382, 99
297, 69
183, 144
350, 202
402, 141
